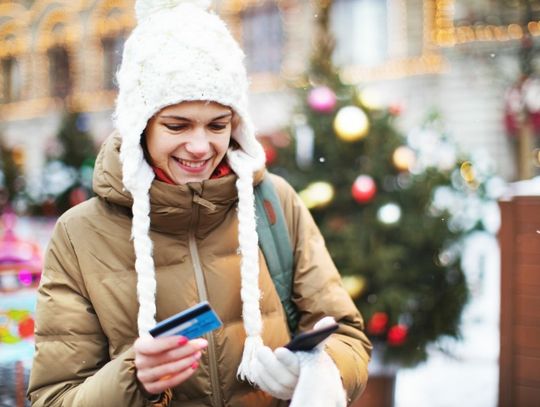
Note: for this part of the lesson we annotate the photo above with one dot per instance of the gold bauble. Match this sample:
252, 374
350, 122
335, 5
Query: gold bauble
370, 98
317, 194
351, 123
467, 171
355, 285
403, 158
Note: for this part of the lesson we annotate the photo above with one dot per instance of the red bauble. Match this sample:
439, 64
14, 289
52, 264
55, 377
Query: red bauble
77, 195
377, 323
397, 335
363, 189
534, 118
395, 109
26, 328
271, 154
511, 124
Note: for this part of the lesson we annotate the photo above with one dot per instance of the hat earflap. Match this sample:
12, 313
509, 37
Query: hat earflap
243, 165
137, 178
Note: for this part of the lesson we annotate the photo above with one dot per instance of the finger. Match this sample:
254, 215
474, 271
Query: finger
148, 360
324, 322
268, 383
171, 381
164, 371
288, 359
276, 371
149, 345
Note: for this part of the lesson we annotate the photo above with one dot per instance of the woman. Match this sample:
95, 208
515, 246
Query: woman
173, 224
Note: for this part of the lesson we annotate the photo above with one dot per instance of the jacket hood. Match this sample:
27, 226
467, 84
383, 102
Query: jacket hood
169, 204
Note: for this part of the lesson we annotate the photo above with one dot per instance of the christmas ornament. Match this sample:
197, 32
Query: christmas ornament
77, 195
317, 195
363, 189
467, 172
355, 285
377, 323
270, 153
403, 158
351, 123
395, 109
389, 214
397, 335
370, 98
322, 99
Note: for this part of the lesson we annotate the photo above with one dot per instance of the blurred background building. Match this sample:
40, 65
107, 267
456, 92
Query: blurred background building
457, 56
472, 64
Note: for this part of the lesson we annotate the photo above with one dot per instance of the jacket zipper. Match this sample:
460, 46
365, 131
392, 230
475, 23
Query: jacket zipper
203, 296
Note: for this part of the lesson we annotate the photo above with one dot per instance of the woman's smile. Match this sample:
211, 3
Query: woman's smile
193, 166
189, 140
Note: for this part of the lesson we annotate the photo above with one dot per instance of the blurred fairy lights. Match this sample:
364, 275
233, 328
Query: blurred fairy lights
445, 34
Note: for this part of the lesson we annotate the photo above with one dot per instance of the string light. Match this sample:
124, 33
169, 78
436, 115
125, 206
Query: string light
59, 26
62, 26
445, 34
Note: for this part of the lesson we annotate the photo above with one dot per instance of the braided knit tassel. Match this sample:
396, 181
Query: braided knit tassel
243, 166
138, 177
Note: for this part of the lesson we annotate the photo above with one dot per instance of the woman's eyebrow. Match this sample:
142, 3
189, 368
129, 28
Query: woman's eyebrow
175, 117
223, 116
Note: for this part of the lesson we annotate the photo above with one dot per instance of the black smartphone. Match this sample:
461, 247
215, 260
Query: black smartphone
308, 340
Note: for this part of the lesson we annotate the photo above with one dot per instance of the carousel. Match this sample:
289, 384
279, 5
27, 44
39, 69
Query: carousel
20, 271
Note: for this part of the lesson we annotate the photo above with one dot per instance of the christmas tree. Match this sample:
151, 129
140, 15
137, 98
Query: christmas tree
373, 199
67, 178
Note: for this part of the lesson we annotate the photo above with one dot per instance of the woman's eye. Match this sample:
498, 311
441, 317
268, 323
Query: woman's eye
175, 127
218, 126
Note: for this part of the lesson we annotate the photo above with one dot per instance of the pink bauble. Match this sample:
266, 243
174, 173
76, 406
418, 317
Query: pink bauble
322, 99
363, 189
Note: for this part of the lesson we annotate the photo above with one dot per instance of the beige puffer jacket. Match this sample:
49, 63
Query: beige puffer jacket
87, 303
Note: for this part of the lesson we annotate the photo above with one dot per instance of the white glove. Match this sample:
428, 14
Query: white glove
276, 372
309, 378
319, 384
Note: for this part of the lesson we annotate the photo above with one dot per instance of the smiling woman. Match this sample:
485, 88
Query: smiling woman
173, 223
188, 141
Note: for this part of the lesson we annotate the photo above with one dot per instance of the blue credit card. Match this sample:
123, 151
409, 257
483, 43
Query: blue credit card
191, 323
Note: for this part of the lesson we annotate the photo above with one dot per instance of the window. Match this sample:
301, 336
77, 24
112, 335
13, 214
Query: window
112, 55
361, 32
499, 12
59, 72
11, 80
262, 35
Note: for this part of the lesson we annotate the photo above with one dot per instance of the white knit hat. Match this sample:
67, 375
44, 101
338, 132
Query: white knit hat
179, 51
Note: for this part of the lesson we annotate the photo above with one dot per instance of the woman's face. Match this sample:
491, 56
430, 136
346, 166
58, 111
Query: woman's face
188, 140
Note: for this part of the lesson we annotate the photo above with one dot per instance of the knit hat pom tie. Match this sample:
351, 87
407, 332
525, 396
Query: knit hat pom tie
145, 8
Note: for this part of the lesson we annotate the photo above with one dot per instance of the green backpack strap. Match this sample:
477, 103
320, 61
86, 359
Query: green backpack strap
276, 245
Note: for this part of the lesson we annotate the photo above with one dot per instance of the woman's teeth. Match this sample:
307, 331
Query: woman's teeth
192, 164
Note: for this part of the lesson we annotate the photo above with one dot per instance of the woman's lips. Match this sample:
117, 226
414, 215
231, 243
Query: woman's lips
192, 166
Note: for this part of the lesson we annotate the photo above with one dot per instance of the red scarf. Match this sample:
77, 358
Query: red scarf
221, 170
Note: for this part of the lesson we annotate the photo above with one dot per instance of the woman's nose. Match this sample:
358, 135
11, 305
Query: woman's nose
198, 143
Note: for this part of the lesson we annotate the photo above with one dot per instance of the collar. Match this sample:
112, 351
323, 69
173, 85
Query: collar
221, 170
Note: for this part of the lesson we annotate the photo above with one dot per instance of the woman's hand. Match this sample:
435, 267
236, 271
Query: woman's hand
163, 363
276, 372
